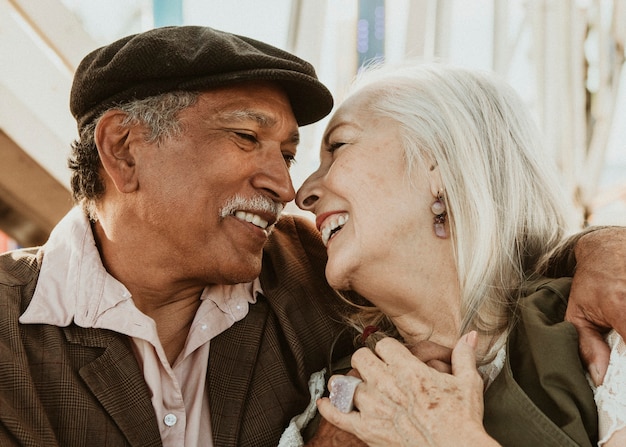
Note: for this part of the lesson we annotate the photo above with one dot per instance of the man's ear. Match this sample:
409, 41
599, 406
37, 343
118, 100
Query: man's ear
113, 141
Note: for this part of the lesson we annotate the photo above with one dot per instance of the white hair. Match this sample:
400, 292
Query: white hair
505, 206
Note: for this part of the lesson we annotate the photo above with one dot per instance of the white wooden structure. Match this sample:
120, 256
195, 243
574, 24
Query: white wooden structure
565, 56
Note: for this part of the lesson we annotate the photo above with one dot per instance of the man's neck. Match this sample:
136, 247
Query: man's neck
171, 304
173, 321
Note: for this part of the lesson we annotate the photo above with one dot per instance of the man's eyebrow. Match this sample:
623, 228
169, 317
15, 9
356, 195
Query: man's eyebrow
262, 119
241, 115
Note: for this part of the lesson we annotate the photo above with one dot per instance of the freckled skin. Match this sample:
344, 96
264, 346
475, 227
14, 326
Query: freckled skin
390, 415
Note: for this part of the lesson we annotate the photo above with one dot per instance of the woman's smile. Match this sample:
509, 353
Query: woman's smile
331, 225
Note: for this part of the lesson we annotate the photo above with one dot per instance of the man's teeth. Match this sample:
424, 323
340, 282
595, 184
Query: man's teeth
333, 225
254, 219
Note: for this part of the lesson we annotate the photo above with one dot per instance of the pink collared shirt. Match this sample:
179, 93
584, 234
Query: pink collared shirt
74, 286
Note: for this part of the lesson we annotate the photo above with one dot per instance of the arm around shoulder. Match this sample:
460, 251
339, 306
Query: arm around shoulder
597, 259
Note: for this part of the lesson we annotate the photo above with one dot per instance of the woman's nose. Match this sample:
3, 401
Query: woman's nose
308, 194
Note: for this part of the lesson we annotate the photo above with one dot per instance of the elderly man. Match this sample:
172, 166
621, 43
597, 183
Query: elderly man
182, 170
172, 307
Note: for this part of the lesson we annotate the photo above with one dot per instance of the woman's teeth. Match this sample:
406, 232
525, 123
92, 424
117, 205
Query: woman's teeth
333, 225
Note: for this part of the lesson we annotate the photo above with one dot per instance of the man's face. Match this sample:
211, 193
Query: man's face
208, 199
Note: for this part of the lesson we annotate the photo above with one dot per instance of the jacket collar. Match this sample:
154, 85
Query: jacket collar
116, 381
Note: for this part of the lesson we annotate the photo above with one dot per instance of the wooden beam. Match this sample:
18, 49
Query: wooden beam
31, 200
42, 42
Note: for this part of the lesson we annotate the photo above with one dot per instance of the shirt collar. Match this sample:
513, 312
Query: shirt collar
73, 284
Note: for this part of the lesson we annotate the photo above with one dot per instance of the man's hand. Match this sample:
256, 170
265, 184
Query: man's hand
597, 301
402, 401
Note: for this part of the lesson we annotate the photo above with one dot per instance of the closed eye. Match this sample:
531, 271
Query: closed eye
247, 137
245, 141
332, 147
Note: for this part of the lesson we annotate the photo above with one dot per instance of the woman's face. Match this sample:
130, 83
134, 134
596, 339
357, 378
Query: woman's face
375, 221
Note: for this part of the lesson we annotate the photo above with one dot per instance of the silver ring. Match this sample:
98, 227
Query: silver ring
342, 392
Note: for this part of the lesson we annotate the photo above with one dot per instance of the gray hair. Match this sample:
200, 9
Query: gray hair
159, 116
505, 207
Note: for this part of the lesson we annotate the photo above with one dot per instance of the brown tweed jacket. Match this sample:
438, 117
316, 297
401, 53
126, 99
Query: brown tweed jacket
83, 387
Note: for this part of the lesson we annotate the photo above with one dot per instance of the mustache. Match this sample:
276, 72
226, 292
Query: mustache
258, 203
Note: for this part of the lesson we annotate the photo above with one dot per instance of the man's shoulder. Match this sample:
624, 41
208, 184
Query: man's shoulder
293, 225
19, 267
19, 271
295, 236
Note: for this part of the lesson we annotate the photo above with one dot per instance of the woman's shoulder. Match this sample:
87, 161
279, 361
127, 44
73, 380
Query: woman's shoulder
544, 299
543, 372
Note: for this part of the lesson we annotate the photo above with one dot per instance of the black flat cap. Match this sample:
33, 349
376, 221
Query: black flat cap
191, 58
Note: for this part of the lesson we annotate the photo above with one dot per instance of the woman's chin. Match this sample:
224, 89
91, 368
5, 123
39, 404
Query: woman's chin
337, 277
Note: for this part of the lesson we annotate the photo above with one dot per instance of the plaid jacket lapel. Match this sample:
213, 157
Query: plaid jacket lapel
231, 361
117, 382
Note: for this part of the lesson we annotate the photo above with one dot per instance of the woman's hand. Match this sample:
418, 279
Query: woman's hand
404, 402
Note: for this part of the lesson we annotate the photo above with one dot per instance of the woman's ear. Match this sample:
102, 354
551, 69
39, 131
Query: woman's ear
434, 179
113, 142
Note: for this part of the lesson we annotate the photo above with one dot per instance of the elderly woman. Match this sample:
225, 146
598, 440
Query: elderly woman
436, 204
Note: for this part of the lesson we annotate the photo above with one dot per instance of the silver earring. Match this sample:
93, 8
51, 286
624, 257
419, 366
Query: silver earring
438, 208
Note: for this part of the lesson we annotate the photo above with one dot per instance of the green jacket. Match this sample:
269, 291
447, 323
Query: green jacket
542, 397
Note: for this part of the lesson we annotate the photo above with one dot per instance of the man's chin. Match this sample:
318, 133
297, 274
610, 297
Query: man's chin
245, 275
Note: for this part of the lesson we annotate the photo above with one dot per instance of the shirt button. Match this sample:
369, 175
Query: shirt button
170, 419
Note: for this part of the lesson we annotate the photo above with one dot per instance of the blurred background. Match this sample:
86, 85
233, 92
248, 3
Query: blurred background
564, 57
